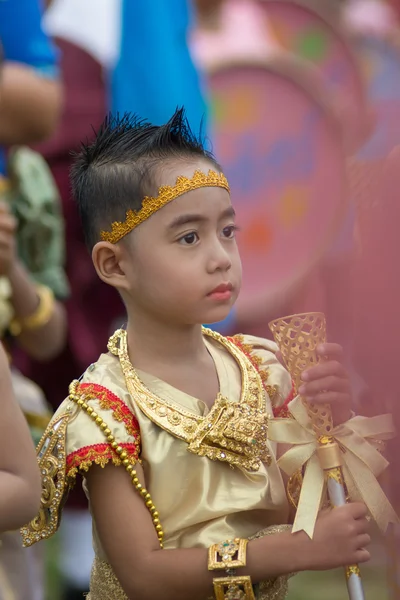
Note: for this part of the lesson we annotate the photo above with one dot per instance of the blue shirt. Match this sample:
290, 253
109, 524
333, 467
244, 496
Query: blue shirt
155, 73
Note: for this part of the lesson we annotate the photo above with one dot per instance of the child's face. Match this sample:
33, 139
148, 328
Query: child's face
182, 253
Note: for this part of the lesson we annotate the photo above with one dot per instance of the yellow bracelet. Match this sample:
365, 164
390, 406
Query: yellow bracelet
230, 555
233, 588
40, 317
221, 556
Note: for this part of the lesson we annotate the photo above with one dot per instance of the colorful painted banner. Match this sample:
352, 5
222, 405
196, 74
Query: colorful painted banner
381, 67
283, 157
302, 31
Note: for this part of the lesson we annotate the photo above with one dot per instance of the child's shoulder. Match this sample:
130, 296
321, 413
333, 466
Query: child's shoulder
262, 353
100, 403
94, 425
105, 372
102, 383
255, 345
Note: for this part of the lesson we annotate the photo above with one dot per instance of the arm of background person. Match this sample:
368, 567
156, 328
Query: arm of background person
19, 473
30, 105
31, 93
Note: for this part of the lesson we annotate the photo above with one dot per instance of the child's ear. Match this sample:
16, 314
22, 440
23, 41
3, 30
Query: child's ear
107, 260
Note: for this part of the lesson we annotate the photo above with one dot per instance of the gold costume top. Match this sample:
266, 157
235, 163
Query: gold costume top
212, 473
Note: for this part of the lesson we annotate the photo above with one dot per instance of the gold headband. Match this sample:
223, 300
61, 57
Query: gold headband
166, 193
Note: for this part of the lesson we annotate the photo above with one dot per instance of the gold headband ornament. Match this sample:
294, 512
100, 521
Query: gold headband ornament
166, 194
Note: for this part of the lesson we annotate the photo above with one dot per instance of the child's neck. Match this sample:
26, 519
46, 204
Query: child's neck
153, 342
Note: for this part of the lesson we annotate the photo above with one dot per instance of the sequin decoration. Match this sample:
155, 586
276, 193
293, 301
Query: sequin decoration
52, 464
166, 194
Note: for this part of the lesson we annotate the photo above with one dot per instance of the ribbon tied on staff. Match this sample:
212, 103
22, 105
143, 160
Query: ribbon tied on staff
362, 463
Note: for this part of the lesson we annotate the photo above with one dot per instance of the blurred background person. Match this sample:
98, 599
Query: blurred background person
20, 484
31, 94
30, 240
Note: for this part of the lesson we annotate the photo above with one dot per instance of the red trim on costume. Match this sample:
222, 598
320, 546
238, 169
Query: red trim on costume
100, 454
247, 350
283, 411
109, 401
279, 411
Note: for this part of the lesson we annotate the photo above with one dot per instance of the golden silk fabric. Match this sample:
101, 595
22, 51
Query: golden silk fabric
209, 501
104, 584
200, 501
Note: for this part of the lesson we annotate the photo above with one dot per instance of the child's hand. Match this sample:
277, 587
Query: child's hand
8, 226
329, 383
340, 537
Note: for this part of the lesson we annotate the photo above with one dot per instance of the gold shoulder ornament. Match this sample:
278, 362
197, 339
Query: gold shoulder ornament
57, 480
55, 486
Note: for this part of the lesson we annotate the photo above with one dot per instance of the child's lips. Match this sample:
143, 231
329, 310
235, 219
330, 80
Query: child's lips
222, 292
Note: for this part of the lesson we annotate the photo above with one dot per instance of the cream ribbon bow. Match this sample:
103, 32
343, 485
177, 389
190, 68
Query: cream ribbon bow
362, 463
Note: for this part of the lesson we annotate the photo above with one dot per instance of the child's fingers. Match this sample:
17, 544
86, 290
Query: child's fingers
325, 369
336, 399
329, 384
5, 241
8, 223
4, 208
331, 351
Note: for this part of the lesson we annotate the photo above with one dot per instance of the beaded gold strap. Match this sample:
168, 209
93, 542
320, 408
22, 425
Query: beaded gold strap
79, 399
40, 317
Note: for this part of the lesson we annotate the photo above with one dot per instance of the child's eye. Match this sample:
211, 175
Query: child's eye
229, 232
189, 239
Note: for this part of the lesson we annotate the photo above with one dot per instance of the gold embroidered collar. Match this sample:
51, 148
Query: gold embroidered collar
232, 432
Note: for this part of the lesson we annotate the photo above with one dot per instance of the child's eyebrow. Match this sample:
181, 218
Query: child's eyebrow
196, 218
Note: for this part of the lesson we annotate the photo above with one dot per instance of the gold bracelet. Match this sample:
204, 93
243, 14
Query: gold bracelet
233, 588
40, 317
230, 555
221, 556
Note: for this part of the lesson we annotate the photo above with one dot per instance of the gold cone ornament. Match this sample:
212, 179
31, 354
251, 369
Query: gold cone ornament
298, 337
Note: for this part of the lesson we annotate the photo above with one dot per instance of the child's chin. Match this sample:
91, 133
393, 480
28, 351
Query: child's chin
217, 316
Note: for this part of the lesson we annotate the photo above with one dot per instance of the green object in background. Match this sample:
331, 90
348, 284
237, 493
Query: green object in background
217, 107
36, 435
331, 585
53, 578
35, 201
312, 45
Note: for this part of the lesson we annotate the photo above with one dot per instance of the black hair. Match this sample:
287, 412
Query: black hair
113, 173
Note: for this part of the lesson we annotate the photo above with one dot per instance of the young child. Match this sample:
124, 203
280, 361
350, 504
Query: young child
170, 427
